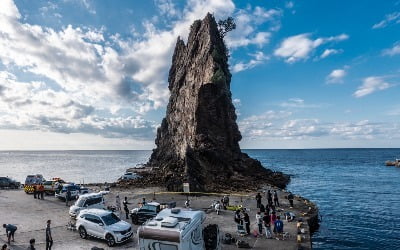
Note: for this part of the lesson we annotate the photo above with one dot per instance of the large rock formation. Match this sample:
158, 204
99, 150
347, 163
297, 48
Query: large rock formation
198, 139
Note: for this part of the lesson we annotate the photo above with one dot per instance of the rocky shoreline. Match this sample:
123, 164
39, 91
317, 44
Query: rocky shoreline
149, 177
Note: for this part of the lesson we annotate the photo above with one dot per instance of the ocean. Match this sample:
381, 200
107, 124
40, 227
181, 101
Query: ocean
356, 193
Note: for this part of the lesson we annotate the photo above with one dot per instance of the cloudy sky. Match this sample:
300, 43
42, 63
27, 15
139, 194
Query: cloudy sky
91, 74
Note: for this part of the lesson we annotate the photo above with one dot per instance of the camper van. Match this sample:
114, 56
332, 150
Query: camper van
173, 229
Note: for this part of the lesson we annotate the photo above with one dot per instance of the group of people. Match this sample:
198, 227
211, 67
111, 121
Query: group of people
10, 232
267, 221
242, 217
266, 218
272, 198
38, 191
125, 204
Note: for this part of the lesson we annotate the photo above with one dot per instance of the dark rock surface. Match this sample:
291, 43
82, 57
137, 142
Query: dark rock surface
198, 139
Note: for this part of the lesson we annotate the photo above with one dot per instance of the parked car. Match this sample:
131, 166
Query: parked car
86, 201
75, 190
144, 213
103, 224
129, 176
6, 182
50, 187
149, 211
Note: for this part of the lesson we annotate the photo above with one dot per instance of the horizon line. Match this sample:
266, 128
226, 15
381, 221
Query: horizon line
61, 150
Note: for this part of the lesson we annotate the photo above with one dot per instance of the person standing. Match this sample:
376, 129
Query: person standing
126, 209
217, 207
246, 219
187, 203
258, 199
41, 191
31, 244
49, 238
269, 198
35, 191
117, 203
238, 218
267, 225
273, 219
67, 197
278, 228
10, 231
290, 198
276, 200
259, 221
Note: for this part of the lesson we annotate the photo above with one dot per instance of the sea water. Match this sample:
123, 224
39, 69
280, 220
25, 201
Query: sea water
358, 196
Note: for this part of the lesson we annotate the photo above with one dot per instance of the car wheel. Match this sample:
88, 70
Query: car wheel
110, 240
82, 232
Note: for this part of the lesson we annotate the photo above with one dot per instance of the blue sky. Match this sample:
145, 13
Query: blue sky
86, 74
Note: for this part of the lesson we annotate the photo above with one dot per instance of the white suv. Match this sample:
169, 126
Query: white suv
85, 201
104, 225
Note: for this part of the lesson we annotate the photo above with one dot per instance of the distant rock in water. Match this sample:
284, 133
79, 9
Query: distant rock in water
198, 141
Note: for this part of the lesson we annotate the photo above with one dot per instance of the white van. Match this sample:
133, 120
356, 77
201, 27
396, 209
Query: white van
173, 229
93, 200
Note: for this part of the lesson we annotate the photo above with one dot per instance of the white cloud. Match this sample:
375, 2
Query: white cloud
167, 7
299, 47
246, 27
277, 125
370, 85
90, 82
336, 76
389, 19
329, 52
395, 50
298, 103
257, 58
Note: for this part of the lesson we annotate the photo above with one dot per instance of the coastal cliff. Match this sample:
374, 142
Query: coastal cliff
198, 141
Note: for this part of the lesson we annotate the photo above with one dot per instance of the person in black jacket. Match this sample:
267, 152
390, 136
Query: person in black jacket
238, 218
126, 209
49, 238
246, 219
31, 244
269, 198
267, 224
258, 199
290, 198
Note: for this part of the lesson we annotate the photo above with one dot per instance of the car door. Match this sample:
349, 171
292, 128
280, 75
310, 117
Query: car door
92, 225
98, 227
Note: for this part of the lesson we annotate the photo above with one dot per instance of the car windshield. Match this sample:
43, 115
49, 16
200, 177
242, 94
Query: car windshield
110, 219
80, 202
148, 208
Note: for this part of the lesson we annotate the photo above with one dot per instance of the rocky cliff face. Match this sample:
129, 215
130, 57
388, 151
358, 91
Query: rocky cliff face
198, 139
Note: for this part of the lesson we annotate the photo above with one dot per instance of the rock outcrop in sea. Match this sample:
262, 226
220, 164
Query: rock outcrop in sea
198, 141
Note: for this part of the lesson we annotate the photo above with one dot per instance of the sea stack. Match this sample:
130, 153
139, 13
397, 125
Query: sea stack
198, 141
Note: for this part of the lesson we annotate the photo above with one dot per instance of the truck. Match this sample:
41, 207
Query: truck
173, 229
51, 186
32, 182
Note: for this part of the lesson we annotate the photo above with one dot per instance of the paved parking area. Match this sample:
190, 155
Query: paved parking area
30, 216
